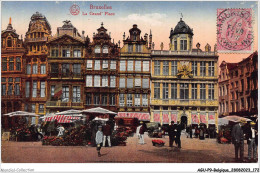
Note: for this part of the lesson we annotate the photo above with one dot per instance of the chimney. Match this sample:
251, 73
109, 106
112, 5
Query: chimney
10, 21
150, 39
124, 36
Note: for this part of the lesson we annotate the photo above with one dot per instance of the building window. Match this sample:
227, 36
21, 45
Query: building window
97, 65
89, 64
138, 48
76, 94
65, 53
104, 99
33, 108
97, 81
17, 89
157, 90
27, 89
122, 82
129, 82
97, 49
137, 82
122, 65
242, 85
165, 68
211, 68
112, 65
55, 68
112, 99
184, 91
18, 63
35, 69
52, 90
145, 82
42, 88
194, 65
104, 81
9, 42
10, 88
4, 64
105, 49
165, 91
226, 106
11, 63
112, 81
175, 45
28, 69
88, 99
77, 69
96, 99
202, 68
173, 91
77, 53
194, 91
130, 65
41, 108
105, 64
65, 93
211, 91
137, 99
183, 44
65, 69
137, 65
145, 100
174, 68
3, 89
34, 89
129, 100
121, 100
130, 48
156, 67
202, 91
55, 52
43, 69
146, 65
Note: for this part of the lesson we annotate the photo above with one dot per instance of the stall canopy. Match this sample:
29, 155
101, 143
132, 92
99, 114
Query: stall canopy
141, 116
62, 118
99, 110
221, 121
70, 112
235, 118
21, 113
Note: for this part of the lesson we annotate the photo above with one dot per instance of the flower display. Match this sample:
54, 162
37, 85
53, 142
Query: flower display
158, 142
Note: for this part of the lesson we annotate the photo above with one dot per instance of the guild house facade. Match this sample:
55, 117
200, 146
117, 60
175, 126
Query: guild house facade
69, 71
184, 81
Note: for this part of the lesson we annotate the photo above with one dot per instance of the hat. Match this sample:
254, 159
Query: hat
243, 121
99, 126
252, 123
141, 122
172, 122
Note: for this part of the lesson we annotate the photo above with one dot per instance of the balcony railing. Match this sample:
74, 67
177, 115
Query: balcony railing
36, 39
64, 104
165, 52
66, 75
184, 102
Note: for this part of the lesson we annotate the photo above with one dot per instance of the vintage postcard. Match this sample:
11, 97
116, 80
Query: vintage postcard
132, 82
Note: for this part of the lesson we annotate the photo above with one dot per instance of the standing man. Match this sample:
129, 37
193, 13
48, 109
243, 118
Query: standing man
172, 133
107, 133
238, 140
178, 135
252, 141
141, 132
99, 139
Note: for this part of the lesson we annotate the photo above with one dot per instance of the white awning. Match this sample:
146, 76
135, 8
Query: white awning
99, 110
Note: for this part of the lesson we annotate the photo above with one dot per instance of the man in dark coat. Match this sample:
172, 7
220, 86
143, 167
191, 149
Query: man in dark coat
238, 140
107, 131
172, 133
178, 135
252, 141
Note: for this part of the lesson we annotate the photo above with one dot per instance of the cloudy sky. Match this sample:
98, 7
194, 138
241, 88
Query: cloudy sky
160, 17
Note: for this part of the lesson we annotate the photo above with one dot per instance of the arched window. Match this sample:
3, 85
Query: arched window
97, 49
105, 49
9, 42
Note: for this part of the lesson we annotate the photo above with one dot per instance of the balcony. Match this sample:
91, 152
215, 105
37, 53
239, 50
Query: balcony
189, 102
165, 52
36, 39
59, 104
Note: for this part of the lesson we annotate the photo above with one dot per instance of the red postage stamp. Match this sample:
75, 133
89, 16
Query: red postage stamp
234, 30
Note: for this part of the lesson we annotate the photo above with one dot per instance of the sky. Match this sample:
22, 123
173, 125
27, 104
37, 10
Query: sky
157, 16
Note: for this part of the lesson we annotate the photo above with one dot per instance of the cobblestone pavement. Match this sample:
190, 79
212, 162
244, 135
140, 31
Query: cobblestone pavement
192, 151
